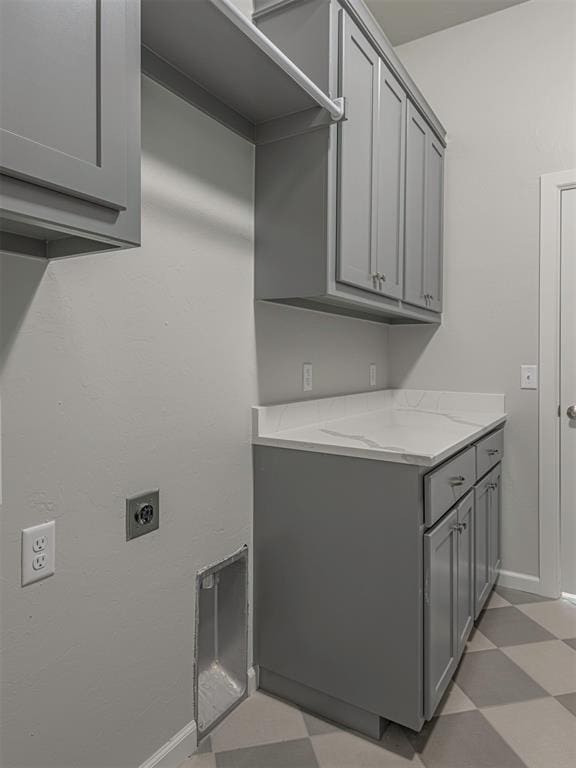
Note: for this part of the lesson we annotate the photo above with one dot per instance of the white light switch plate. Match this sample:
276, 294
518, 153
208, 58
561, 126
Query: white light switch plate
307, 377
529, 377
38, 550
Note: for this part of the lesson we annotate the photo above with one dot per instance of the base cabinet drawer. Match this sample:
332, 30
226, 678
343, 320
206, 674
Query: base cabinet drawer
489, 452
445, 486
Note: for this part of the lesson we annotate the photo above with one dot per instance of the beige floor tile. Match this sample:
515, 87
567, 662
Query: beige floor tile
260, 719
346, 750
478, 642
496, 601
552, 664
558, 616
542, 732
454, 700
200, 761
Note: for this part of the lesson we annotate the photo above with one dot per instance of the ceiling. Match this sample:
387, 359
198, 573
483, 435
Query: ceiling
404, 20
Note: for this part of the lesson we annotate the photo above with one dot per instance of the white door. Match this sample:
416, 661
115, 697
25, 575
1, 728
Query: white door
568, 392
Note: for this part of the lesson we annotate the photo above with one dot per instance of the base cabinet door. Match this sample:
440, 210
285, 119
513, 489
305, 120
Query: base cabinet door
495, 494
465, 609
482, 545
440, 609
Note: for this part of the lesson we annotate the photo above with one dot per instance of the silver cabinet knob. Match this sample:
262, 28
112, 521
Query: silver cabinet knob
571, 412
459, 480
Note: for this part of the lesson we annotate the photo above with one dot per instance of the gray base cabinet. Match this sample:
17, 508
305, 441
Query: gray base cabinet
364, 596
448, 597
487, 558
440, 608
349, 215
69, 126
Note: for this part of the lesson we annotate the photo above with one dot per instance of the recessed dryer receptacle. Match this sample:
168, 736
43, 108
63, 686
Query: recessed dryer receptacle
221, 670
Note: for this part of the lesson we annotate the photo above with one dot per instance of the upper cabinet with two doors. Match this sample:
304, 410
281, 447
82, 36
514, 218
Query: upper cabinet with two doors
349, 215
69, 126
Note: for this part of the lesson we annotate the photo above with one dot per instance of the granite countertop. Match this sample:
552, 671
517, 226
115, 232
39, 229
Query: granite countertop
420, 427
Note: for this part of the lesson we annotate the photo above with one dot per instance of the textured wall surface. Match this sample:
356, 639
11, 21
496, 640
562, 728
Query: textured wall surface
126, 372
121, 373
340, 350
504, 86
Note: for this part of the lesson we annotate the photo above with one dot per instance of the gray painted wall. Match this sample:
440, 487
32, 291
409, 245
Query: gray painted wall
123, 372
340, 350
504, 85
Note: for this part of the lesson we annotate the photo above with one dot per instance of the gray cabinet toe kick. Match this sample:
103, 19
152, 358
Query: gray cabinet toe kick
368, 577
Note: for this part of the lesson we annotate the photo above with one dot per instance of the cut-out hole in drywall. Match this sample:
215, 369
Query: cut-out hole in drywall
221, 639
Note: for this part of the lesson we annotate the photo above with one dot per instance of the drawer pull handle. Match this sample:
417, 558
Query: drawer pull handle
460, 480
492, 451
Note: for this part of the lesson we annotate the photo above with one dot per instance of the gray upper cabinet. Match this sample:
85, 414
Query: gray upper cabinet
424, 214
415, 249
357, 183
434, 221
390, 163
69, 125
349, 214
371, 163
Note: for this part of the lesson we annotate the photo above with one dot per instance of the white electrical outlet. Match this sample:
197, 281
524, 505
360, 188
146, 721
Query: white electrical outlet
307, 377
38, 550
529, 377
372, 374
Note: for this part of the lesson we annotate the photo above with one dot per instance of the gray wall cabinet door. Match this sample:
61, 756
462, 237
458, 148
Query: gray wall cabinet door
495, 505
415, 278
465, 612
482, 545
63, 86
434, 221
357, 179
440, 608
390, 159
424, 214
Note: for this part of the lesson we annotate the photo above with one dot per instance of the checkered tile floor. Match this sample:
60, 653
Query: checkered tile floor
512, 705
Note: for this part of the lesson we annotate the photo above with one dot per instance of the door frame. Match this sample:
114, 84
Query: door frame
551, 187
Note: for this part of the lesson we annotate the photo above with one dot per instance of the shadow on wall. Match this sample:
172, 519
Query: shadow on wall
20, 277
203, 190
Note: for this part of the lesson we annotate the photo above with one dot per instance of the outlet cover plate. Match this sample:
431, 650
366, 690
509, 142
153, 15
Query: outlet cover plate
38, 552
142, 514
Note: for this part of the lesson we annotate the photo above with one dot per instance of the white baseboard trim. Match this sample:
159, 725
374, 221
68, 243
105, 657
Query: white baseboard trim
185, 742
252, 680
522, 581
176, 750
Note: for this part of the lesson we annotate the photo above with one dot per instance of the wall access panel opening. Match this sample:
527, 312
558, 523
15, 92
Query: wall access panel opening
221, 639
